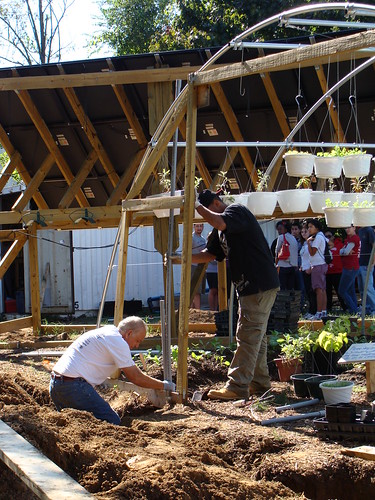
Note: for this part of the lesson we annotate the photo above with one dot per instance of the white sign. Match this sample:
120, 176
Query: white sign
359, 353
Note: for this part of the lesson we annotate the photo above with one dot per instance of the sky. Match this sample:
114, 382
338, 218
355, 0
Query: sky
78, 25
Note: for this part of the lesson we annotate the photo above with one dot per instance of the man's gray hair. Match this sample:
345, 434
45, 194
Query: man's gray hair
132, 323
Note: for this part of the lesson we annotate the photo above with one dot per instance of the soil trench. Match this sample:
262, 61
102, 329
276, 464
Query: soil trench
205, 449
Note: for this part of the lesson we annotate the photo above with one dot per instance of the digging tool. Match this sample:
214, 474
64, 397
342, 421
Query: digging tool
157, 398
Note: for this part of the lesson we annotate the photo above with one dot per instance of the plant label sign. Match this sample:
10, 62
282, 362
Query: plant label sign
358, 353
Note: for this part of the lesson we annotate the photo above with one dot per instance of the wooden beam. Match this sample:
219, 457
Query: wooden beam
79, 179
153, 203
49, 141
22, 170
97, 78
34, 184
232, 122
34, 280
92, 135
275, 103
196, 281
120, 190
10, 234
16, 324
152, 155
128, 110
222, 280
201, 166
191, 125
7, 171
42, 476
340, 136
11, 254
320, 53
126, 219
56, 218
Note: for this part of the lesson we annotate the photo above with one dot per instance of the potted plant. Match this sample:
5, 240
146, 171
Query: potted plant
299, 163
318, 198
356, 162
338, 213
364, 213
291, 356
261, 201
295, 200
328, 164
360, 190
327, 344
336, 391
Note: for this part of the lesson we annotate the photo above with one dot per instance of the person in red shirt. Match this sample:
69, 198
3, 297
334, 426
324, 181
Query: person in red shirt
350, 269
333, 275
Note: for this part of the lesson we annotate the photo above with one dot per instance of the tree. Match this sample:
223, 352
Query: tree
30, 30
130, 25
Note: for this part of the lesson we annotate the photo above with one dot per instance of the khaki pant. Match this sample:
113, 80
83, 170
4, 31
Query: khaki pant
250, 359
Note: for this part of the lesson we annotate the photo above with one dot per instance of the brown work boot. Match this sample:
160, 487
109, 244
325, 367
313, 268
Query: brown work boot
258, 390
224, 394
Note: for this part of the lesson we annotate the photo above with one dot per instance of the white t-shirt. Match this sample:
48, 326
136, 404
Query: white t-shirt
95, 355
319, 243
305, 257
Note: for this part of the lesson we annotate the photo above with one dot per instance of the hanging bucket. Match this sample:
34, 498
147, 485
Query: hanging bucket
356, 165
261, 202
318, 199
328, 167
364, 216
338, 216
292, 201
299, 164
352, 198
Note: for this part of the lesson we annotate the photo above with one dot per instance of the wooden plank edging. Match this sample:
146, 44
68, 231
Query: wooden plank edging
39, 473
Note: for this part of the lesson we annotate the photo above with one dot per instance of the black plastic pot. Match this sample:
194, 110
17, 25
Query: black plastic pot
313, 384
341, 412
299, 384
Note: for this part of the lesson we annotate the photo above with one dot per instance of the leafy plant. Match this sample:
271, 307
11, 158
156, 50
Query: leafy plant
363, 204
334, 335
340, 151
165, 180
295, 152
335, 204
303, 183
263, 179
291, 346
358, 184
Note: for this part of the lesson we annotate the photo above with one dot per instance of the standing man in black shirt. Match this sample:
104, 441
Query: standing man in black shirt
239, 237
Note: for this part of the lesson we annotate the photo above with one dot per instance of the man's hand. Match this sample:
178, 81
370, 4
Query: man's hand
197, 202
169, 386
175, 258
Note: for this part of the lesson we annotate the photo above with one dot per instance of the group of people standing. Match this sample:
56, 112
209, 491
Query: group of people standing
308, 268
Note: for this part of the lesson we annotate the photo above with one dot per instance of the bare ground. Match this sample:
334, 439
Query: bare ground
205, 449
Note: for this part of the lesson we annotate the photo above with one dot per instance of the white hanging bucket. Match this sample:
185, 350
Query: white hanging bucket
357, 165
318, 199
337, 391
294, 200
364, 216
261, 202
298, 164
352, 198
338, 216
328, 167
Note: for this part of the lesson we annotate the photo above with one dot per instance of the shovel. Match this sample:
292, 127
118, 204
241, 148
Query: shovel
156, 397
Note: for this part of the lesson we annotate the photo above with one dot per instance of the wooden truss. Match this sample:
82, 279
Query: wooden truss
148, 159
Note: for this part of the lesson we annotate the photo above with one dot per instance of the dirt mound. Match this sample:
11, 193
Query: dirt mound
206, 449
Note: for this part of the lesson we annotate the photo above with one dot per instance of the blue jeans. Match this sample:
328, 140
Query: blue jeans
80, 395
370, 297
347, 289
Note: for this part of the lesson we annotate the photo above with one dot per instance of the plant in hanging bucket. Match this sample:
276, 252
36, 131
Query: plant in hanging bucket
356, 162
364, 213
263, 179
328, 164
338, 213
299, 163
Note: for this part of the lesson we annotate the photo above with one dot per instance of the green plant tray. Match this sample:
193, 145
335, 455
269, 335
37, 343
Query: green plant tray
337, 431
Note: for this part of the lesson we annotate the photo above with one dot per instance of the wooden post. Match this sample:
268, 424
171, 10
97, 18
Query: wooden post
191, 125
222, 282
370, 377
125, 222
34, 280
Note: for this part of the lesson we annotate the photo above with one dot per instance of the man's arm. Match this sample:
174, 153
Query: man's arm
216, 220
137, 377
202, 257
